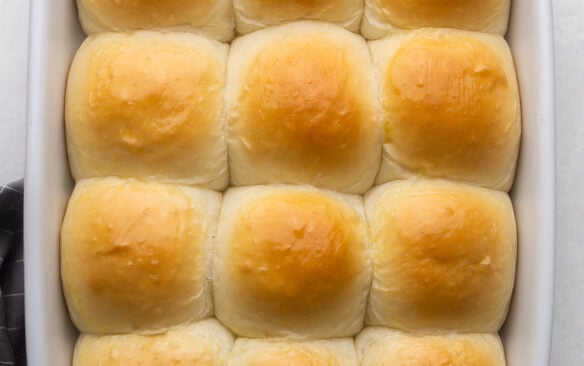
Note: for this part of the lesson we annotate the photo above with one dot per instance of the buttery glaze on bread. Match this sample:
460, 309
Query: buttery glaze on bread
251, 15
135, 256
387, 347
148, 105
443, 256
212, 18
451, 107
383, 17
303, 108
206, 343
291, 261
282, 352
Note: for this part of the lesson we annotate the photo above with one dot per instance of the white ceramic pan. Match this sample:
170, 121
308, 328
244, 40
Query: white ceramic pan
54, 37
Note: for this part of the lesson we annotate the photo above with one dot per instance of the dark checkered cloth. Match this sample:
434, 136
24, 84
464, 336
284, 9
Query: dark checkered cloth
12, 343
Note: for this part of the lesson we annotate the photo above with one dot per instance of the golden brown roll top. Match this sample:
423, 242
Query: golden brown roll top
212, 18
451, 107
386, 347
135, 256
291, 261
303, 108
383, 17
281, 352
443, 256
251, 15
148, 105
206, 343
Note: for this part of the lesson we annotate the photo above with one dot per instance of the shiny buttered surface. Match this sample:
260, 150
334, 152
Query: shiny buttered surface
291, 261
282, 352
302, 107
443, 256
148, 105
212, 18
451, 107
136, 256
292, 121
387, 347
385, 17
251, 15
206, 343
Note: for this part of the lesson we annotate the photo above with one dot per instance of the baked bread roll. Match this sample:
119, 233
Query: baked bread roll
387, 347
148, 105
291, 261
443, 256
212, 18
206, 343
303, 108
383, 17
135, 256
451, 107
281, 352
251, 15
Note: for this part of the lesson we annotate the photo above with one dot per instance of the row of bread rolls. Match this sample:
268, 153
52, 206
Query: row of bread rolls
288, 261
219, 19
207, 343
302, 103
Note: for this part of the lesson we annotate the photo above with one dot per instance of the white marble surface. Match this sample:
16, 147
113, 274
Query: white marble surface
568, 336
13, 57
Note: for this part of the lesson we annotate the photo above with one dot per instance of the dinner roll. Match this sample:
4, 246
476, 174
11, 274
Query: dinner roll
251, 15
443, 256
135, 256
386, 347
203, 344
281, 352
303, 108
291, 261
451, 107
148, 105
212, 18
383, 17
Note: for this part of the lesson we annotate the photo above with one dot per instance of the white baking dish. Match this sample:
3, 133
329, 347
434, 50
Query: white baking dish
54, 37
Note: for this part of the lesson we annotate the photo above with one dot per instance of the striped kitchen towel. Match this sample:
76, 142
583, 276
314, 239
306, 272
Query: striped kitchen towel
12, 342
